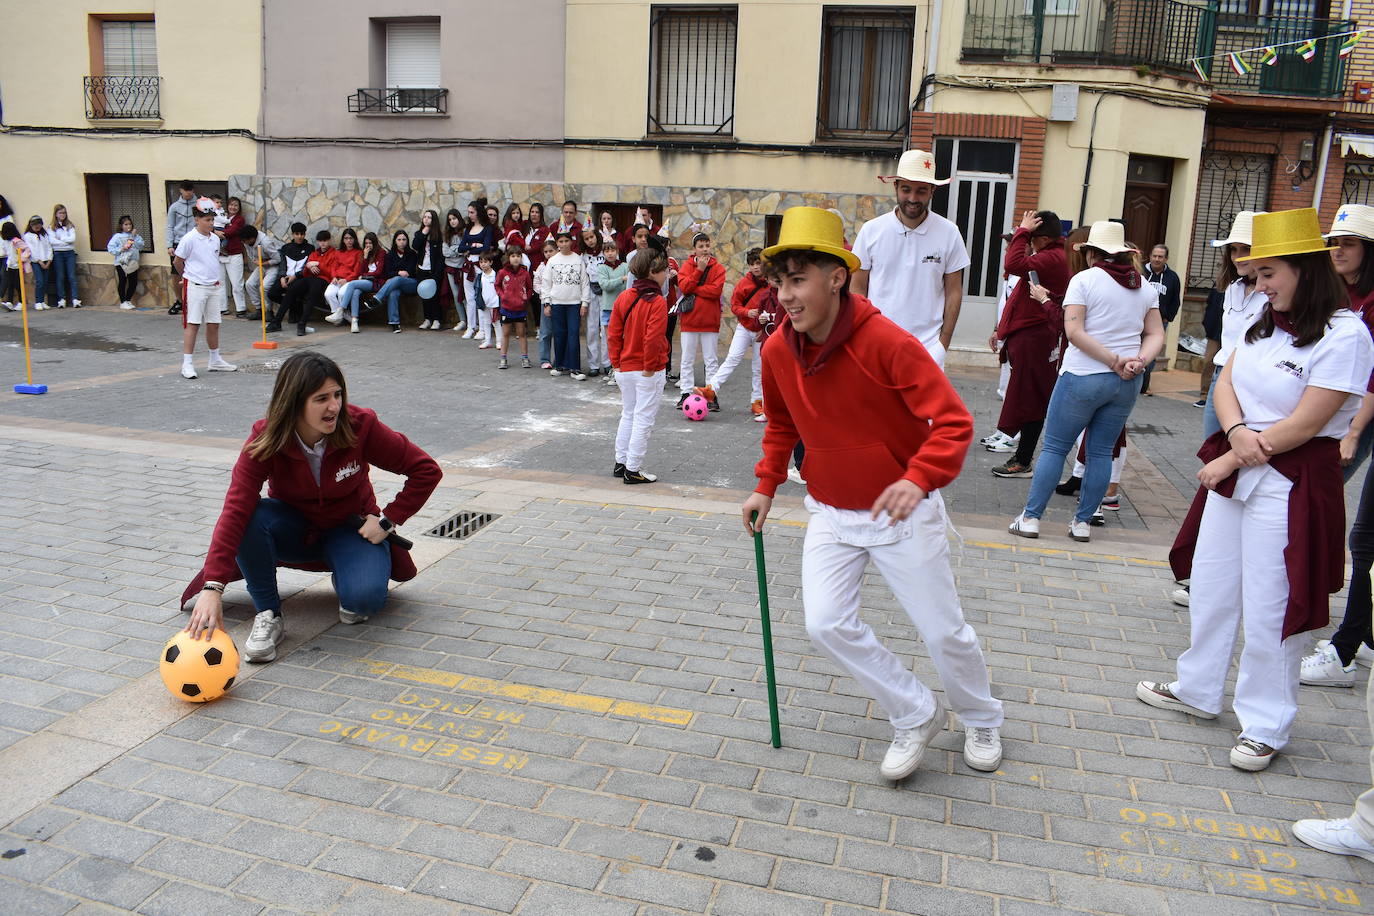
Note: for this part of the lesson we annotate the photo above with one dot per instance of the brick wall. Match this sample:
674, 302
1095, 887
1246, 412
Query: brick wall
927, 125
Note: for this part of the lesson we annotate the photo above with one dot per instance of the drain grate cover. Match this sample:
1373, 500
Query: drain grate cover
267, 368
463, 525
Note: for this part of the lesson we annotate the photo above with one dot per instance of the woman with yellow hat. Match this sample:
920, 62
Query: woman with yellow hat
1262, 542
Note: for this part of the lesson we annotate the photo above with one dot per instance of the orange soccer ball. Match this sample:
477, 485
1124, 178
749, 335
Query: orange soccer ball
198, 671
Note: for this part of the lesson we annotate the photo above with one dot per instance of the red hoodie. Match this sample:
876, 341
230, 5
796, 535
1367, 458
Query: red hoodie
344, 489
515, 288
1051, 265
873, 409
707, 285
756, 293
637, 337
344, 265
232, 243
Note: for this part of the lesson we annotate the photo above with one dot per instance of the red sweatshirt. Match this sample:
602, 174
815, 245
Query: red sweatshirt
1052, 267
707, 285
345, 265
752, 292
344, 489
323, 258
637, 337
515, 288
876, 410
232, 243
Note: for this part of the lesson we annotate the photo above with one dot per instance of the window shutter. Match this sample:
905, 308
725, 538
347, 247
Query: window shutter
694, 75
130, 48
412, 55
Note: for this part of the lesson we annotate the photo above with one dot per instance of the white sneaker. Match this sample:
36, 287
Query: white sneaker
1006, 445
126, 305
982, 749
350, 618
484, 345
760, 418
334, 317
39, 307
555, 372
1180, 596
794, 475
424, 325
461, 326
1080, 531
469, 334
1364, 655
355, 327
1338, 836
578, 376
1252, 756
219, 365
1323, 668
1161, 696
61, 303
188, 371
1025, 527
909, 745
76, 303
261, 644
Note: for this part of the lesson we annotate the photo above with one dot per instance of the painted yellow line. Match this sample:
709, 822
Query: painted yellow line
547, 696
1054, 552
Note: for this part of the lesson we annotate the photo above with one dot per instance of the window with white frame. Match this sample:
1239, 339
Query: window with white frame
412, 64
692, 69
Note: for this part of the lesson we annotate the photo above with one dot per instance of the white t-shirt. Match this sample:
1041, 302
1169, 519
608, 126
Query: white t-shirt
1115, 317
1271, 375
201, 254
1241, 305
907, 270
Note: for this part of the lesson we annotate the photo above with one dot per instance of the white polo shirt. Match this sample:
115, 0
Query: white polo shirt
201, 254
907, 270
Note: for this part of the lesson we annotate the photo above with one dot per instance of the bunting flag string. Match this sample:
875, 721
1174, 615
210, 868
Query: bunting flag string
1269, 57
1305, 48
1238, 64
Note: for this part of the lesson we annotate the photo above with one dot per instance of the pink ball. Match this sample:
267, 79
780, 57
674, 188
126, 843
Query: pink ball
694, 408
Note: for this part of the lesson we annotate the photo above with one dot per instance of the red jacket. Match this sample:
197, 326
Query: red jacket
515, 288
345, 265
232, 244
707, 285
344, 489
323, 258
534, 245
637, 337
1051, 265
872, 408
752, 292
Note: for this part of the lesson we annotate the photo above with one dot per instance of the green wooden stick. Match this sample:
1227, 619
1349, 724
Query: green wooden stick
765, 620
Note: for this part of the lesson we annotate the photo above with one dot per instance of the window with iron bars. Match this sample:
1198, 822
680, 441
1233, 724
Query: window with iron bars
692, 70
865, 72
1228, 182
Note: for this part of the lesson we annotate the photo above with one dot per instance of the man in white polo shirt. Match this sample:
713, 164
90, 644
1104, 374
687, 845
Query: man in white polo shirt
912, 261
197, 260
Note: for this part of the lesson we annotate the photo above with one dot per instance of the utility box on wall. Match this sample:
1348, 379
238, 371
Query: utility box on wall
1064, 102
1361, 91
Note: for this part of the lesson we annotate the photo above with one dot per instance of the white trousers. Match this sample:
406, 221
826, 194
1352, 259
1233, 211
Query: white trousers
936, 351
333, 294
640, 396
1364, 804
255, 286
915, 564
692, 341
740, 344
1118, 463
597, 355
489, 326
1003, 377
470, 300
231, 275
1239, 580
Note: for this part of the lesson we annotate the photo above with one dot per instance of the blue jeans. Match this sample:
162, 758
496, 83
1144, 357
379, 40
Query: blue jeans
567, 337
545, 337
352, 296
40, 284
64, 275
391, 293
1210, 423
276, 534
1099, 403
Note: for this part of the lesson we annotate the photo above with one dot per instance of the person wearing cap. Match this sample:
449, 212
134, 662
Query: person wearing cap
884, 431
1111, 319
197, 261
1241, 304
1262, 541
912, 261
702, 282
1030, 329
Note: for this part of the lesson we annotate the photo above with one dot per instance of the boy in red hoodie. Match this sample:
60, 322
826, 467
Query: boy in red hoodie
637, 342
515, 287
702, 277
753, 302
884, 431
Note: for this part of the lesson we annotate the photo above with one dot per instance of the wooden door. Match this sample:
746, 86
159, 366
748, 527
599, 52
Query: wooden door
1145, 213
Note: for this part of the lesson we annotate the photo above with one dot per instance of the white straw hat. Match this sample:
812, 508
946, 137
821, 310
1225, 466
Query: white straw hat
1353, 219
1106, 235
916, 165
1242, 230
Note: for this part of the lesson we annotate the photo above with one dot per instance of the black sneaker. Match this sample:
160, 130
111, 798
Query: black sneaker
1069, 487
175, 309
273, 327
395, 329
1014, 468
713, 405
618, 470
1200, 402
683, 399
638, 477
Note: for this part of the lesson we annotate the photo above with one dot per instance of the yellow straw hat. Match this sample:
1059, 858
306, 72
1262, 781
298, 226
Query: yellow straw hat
812, 229
1286, 232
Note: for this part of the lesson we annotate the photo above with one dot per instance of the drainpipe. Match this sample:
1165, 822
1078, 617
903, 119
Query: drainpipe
1088, 168
1325, 153
933, 37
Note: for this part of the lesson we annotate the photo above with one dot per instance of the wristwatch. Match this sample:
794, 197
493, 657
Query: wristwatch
385, 523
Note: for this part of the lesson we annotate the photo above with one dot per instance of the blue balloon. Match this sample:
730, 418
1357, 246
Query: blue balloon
427, 289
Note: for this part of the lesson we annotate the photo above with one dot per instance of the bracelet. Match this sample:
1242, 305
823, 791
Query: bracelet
1233, 429
213, 587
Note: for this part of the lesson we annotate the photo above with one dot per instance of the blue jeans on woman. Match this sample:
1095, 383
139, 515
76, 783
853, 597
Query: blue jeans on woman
278, 532
40, 285
1099, 403
567, 337
64, 275
351, 298
391, 293
545, 338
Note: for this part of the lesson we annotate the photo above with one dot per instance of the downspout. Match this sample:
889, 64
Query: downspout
1088, 167
1325, 153
932, 51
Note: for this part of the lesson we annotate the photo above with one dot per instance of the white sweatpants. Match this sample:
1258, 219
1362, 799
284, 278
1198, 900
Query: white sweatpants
489, 326
640, 396
915, 564
1239, 579
470, 298
597, 355
332, 297
1003, 377
231, 275
692, 341
740, 344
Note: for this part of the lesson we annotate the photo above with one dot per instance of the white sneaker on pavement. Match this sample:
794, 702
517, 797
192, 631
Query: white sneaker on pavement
334, 317
126, 305
1364, 655
1180, 596
219, 365
1338, 836
1252, 756
1323, 668
1161, 696
982, 748
469, 334
350, 618
1025, 527
909, 745
188, 371
794, 475
1080, 531
355, 327
268, 632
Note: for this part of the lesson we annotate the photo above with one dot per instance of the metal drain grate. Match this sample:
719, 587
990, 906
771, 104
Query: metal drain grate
268, 368
463, 525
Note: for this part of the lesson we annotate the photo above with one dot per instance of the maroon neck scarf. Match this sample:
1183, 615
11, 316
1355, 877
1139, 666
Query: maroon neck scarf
1282, 321
1125, 274
839, 333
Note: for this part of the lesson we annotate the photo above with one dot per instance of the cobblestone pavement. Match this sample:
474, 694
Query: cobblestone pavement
565, 713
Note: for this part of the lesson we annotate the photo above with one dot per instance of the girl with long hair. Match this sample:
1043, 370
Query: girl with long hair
63, 235
399, 272
313, 450
428, 242
125, 246
39, 242
606, 229
455, 264
536, 232
373, 263
1262, 542
231, 256
479, 236
513, 221
346, 267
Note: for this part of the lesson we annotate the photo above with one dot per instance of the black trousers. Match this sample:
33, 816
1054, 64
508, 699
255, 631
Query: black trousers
298, 299
126, 283
1355, 628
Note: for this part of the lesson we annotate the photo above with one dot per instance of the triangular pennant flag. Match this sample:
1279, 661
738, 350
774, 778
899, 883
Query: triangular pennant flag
1238, 64
1201, 73
1308, 49
1349, 44
1269, 57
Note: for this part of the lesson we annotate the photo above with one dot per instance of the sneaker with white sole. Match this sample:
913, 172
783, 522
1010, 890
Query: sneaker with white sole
268, 632
126, 305
795, 476
578, 376
355, 329
982, 749
1338, 836
1080, 531
909, 745
1025, 527
1252, 756
188, 371
1161, 696
1005, 445
219, 365
1364, 655
1180, 596
469, 334
1014, 469
334, 317
350, 618
1323, 668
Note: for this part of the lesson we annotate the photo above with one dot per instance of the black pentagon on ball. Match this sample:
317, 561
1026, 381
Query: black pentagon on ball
172, 653
213, 656
191, 690
229, 683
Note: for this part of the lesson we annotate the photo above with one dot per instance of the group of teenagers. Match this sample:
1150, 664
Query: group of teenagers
846, 370
41, 257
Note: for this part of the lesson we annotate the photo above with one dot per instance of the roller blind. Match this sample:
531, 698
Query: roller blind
694, 69
412, 55
130, 48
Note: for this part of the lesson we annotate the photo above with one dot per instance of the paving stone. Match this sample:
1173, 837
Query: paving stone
469, 885
540, 863
660, 887
105, 881
177, 899
370, 864
306, 890
211, 865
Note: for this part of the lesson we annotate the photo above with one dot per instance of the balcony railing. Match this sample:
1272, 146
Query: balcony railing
1159, 34
1321, 77
399, 101
135, 97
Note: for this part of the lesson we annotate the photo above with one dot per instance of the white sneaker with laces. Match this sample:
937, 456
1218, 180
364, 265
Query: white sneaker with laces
1025, 527
61, 303
1080, 531
1252, 756
76, 303
350, 618
909, 745
424, 325
469, 334
334, 317
219, 365
126, 305
1180, 596
795, 476
982, 749
1323, 668
1364, 655
1338, 836
578, 376
1004, 446
355, 327
268, 632
188, 371
1161, 696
